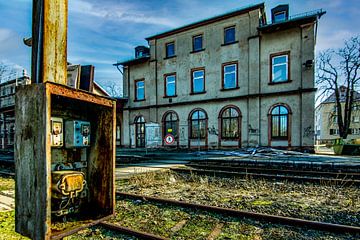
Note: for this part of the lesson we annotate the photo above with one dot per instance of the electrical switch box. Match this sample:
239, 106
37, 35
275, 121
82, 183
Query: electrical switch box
77, 134
57, 134
64, 158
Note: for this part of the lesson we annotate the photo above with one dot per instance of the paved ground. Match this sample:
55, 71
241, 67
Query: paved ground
7, 201
124, 171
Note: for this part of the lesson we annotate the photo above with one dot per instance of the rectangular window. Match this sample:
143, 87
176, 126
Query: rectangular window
230, 76
334, 131
279, 68
355, 131
229, 35
355, 119
198, 43
170, 85
170, 49
198, 80
140, 90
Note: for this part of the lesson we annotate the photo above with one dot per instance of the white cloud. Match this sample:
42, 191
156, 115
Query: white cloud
118, 13
88, 60
11, 70
5, 35
332, 39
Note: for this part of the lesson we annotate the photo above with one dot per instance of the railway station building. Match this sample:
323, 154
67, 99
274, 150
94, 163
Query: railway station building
230, 81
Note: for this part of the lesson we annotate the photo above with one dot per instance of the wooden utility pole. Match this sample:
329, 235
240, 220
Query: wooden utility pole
52, 150
49, 41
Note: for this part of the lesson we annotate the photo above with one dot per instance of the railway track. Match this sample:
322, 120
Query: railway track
128, 231
273, 219
294, 172
7, 174
283, 177
293, 163
296, 222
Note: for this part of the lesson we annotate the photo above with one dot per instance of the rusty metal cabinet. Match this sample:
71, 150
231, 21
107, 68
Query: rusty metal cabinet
35, 157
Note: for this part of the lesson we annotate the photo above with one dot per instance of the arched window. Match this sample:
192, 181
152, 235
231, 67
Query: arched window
279, 122
230, 123
198, 124
140, 131
170, 124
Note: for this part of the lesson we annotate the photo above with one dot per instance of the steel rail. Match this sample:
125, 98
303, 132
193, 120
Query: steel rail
330, 227
284, 162
11, 174
61, 234
267, 176
128, 231
274, 170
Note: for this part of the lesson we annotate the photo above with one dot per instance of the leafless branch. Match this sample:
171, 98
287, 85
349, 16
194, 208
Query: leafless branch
338, 76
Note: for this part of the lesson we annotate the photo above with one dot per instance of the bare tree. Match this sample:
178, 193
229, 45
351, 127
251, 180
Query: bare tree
339, 70
3, 70
113, 89
7, 72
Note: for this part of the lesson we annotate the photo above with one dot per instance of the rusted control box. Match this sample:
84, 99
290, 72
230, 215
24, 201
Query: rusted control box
65, 159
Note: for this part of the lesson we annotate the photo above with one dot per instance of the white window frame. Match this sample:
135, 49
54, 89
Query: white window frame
232, 72
139, 87
355, 131
168, 83
196, 78
273, 65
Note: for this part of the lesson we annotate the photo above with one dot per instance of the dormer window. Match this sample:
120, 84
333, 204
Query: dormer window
280, 16
142, 51
280, 13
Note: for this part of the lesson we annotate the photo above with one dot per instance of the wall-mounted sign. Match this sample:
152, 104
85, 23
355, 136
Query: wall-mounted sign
169, 139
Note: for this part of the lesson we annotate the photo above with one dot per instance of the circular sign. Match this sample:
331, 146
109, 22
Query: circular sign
169, 139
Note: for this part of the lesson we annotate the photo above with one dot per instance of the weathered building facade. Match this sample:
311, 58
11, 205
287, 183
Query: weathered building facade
7, 111
326, 116
229, 81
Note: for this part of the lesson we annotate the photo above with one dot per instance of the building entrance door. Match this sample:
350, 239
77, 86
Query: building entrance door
140, 132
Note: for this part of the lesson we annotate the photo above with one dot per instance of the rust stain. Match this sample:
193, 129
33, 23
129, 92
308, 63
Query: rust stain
65, 91
55, 41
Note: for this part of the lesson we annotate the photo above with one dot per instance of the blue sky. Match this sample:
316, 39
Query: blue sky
101, 32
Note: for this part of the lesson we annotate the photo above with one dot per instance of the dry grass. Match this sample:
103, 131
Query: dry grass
163, 220
328, 203
7, 184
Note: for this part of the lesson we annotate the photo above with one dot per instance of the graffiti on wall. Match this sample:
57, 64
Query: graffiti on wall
309, 132
213, 131
253, 131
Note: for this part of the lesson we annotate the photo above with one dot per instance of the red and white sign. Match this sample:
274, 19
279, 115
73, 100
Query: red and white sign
169, 139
